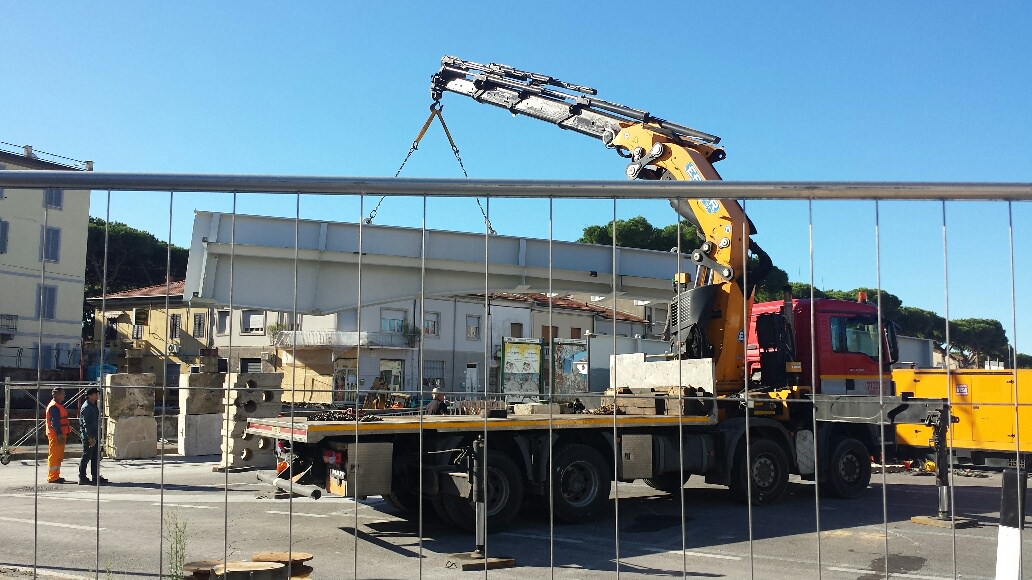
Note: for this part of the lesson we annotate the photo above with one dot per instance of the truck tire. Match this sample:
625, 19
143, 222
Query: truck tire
406, 502
504, 488
671, 483
580, 483
849, 469
767, 468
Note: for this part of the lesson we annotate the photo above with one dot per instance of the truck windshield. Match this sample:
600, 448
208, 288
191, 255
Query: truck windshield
857, 334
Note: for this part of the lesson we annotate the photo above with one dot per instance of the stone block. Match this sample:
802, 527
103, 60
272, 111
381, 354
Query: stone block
202, 393
200, 434
131, 438
129, 395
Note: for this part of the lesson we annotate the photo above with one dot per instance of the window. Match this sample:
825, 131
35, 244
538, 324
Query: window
516, 330
392, 320
432, 324
53, 198
575, 333
433, 373
138, 331
250, 365
472, 327
174, 322
857, 334
141, 316
49, 244
222, 322
549, 332
252, 322
49, 355
46, 306
199, 325
5, 228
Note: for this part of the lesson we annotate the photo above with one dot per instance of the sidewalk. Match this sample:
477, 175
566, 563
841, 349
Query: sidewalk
74, 450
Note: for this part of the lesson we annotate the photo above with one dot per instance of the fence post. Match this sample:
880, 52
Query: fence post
7, 415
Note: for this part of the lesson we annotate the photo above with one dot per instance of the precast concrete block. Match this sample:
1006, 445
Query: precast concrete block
256, 380
131, 438
129, 395
202, 394
200, 434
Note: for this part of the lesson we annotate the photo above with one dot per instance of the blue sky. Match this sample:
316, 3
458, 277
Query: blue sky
874, 91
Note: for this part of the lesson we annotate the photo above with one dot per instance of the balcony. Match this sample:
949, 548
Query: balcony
8, 323
339, 338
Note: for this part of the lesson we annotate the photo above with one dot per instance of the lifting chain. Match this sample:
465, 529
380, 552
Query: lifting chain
435, 111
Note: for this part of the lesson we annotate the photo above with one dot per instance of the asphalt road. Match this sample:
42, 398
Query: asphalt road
55, 528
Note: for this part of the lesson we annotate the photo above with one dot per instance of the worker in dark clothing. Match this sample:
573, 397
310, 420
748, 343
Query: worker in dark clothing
438, 406
89, 431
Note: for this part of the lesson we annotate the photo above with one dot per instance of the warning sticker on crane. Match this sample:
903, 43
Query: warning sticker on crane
693, 173
710, 205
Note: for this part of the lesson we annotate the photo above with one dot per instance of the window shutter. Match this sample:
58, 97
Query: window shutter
3, 236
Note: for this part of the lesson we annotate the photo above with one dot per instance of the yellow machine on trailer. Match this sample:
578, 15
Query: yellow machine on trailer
992, 413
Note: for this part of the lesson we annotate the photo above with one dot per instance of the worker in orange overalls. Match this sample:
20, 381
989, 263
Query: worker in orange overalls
58, 429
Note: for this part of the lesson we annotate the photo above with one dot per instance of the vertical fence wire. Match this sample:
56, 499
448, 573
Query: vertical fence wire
881, 387
164, 396
680, 394
423, 233
487, 324
616, 435
358, 367
1015, 393
949, 390
812, 322
748, 410
226, 386
100, 370
551, 396
40, 305
294, 329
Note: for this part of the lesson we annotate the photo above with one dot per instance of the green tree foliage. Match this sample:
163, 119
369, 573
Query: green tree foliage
976, 339
135, 258
637, 232
972, 339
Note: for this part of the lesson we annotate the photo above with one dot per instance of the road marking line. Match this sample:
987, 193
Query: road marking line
55, 524
297, 514
63, 498
542, 537
893, 574
707, 555
186, 505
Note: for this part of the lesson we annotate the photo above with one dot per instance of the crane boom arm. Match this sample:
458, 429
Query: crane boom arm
709, 314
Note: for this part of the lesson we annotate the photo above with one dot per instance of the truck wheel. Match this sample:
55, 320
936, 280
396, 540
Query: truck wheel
5, 458
668, 482
580, 483
849, 469
405, 502
504, 486
768, 470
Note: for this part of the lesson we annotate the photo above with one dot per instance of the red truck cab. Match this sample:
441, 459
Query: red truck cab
848, 355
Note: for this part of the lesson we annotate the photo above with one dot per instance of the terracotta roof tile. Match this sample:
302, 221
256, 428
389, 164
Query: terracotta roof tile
173, 289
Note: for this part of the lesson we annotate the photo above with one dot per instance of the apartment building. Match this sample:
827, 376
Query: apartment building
42, 269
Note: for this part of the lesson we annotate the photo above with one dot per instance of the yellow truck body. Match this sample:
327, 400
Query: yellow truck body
993, 409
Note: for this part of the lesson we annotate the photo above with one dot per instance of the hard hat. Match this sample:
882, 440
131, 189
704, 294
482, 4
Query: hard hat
435, 392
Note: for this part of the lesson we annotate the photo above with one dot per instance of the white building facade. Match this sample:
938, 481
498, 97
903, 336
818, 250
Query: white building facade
42, 269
